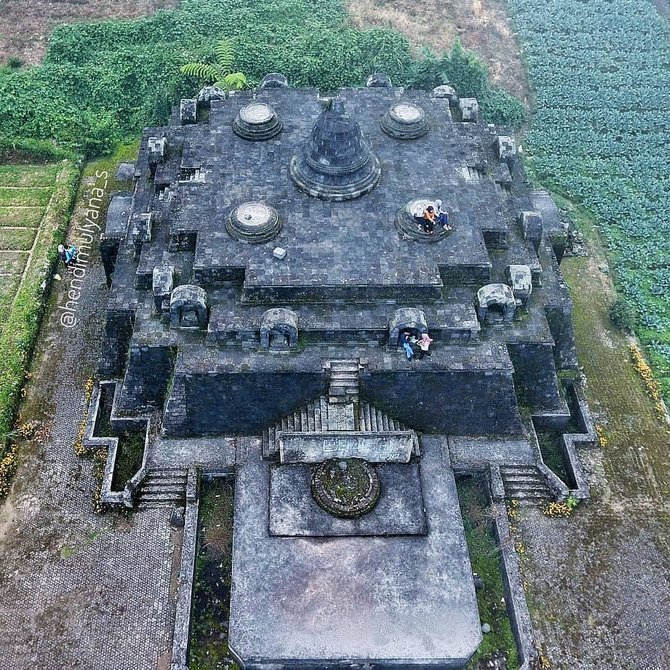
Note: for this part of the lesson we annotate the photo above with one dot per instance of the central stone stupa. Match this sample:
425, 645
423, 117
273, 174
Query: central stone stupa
335, 163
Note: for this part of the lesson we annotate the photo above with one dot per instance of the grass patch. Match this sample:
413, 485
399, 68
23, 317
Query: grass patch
615, 391
211, 589
8, 286
28, 175
21, 217
22, 326
550, 446
12, 263
25, 197
17, 239
485, 559
128, 458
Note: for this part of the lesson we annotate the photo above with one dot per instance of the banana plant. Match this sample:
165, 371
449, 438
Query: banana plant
220, 72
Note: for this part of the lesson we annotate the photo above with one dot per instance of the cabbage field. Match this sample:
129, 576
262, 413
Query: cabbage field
600, 135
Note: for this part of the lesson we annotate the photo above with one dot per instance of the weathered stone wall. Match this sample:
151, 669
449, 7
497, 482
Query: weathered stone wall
238, 404
451, 403
535, 376
147, 377
118, 331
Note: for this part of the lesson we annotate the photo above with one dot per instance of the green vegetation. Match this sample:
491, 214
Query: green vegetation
485, 559
22, 325
105, 81
128, 458
24, 196
601, 75
623, 315
21, 217
28, 175
219, 72
211, 591
19, 239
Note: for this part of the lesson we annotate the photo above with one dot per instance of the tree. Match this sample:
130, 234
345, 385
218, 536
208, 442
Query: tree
218, 73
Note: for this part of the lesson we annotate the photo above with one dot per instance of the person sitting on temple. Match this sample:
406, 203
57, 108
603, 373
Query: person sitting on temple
429, 220
403, 341
442, 215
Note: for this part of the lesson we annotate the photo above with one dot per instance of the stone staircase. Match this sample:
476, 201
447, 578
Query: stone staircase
321, 415
343, 382
525, 482
163, 487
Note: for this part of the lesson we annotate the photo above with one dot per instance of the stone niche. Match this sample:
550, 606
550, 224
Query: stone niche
495, 303
279, 329
162, 284
274, 80
520, 279
446, 91
378, 80
188, 307
469, 109
406, 318
209, 93
188, 111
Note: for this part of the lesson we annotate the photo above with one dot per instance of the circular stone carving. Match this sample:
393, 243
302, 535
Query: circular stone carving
410, 229
253, 223
405, 121
257, 121
346, 488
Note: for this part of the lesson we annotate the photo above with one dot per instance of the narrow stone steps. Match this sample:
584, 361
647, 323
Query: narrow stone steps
163, 488
524, 482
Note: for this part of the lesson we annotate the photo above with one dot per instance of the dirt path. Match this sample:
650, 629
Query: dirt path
599, 582
77, 590
25, 25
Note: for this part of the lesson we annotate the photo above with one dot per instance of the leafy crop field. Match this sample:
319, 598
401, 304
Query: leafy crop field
24, 193
601, 74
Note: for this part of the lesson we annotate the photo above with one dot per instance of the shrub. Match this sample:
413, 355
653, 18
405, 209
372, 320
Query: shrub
105, 81
622, 315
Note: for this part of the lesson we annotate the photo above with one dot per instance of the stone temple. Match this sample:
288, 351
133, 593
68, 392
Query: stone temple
263, 275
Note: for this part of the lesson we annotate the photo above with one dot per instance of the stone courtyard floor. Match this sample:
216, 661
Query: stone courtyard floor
77, 590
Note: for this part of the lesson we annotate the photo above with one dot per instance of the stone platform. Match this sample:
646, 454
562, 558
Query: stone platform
400, 602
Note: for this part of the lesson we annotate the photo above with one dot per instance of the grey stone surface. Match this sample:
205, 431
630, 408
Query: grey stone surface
365, 599
468, 452
469, 109
399, 511
118, 215
125, 171
383, 447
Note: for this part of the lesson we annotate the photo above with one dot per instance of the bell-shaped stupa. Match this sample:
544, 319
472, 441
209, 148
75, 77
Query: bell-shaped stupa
335, 163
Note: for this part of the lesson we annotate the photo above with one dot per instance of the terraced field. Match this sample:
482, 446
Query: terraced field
25, 191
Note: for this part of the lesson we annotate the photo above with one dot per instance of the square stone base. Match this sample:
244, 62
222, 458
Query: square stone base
377, 602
